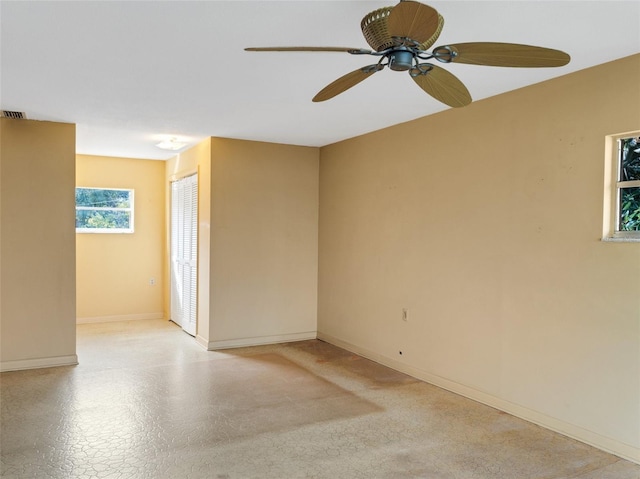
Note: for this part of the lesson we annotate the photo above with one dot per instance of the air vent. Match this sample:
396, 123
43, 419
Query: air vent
14, 115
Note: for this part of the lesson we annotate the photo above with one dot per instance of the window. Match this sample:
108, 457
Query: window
624, 193
101, 210
629, 184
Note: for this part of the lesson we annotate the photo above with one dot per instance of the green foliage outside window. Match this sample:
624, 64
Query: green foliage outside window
105, 210
630, 209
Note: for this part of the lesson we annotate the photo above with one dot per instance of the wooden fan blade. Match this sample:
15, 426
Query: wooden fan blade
508, 55
413, 20
345, 82
444, 86
307, 49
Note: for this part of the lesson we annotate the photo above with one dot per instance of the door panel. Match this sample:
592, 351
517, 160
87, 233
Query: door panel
184, 252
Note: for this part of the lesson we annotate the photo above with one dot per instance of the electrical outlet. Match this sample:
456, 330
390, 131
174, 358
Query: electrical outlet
152, 281
404, 314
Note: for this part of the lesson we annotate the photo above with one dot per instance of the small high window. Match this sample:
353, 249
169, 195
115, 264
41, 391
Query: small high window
629, 184
102, 210
624, 192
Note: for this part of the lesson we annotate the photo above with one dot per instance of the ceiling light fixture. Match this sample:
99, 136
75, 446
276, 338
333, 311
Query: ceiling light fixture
171, 144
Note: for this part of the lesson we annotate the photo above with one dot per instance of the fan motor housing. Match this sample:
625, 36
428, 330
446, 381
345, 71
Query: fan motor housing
401, 60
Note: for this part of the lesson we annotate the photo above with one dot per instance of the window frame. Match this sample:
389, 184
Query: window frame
130, 210
613, 187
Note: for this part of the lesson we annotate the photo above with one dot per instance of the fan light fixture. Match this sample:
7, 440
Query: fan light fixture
401, 37
171, 144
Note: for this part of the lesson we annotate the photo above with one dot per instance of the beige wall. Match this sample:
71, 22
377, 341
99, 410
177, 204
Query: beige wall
264, 242
485, 224
114, 271
37, 244
258, 214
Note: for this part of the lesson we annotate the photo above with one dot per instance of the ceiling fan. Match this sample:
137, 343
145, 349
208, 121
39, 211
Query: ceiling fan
401, 37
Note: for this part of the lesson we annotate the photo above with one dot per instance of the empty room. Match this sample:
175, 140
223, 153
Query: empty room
320, 239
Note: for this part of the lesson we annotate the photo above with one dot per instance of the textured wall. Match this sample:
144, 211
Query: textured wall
485, 224
264, 242
114, 270
258, 245
37, 247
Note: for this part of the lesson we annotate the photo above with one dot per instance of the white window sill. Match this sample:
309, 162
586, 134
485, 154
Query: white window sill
104, 231
621, 239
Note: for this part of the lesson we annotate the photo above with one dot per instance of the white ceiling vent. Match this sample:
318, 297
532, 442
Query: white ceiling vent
14, 115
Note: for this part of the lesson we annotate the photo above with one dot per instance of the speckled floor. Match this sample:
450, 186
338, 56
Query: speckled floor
147, 402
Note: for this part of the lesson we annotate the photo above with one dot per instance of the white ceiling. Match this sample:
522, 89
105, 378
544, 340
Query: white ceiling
132, 73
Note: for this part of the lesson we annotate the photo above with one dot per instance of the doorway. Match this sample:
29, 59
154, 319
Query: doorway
184, 252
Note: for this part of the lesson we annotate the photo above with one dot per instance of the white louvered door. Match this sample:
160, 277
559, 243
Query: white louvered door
184, 252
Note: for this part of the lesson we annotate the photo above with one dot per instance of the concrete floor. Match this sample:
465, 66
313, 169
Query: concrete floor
147, 402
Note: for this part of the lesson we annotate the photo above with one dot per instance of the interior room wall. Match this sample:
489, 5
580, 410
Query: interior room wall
37, 244
484, 224
258, 240
264, 242
120, 276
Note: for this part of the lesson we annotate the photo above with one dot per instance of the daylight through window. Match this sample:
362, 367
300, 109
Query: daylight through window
101, 210
628, 218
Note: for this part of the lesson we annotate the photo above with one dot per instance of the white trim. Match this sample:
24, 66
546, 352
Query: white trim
130, 210
203, 342
621, 239
612, 187
119, 317
39, 363
573, 431
628, 184
256, 341
183, 174
100, 231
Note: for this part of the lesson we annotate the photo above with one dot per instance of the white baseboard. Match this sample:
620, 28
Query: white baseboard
38, 363
613, 446
203, 342
255, 341
119, 317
